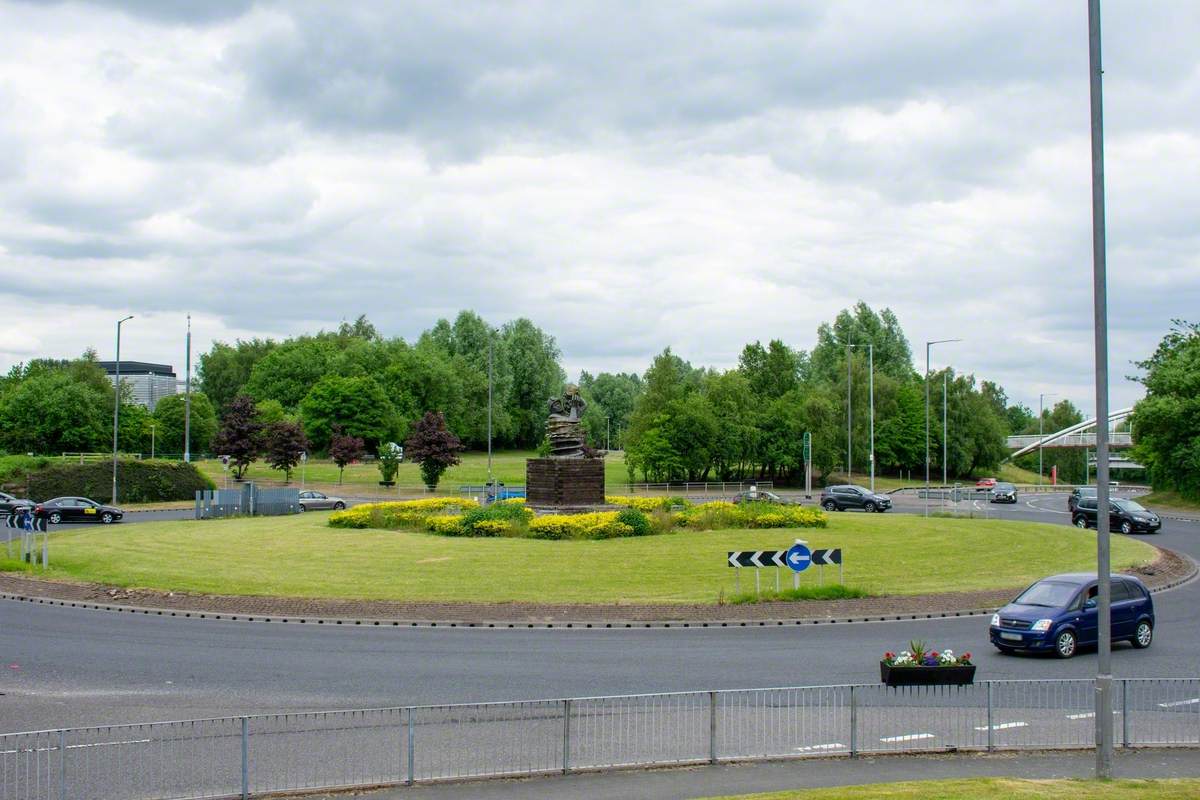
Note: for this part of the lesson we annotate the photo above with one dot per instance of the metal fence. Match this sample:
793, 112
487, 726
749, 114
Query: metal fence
258, 755
249, 499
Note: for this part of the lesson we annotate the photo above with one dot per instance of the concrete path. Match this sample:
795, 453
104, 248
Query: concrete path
700, 782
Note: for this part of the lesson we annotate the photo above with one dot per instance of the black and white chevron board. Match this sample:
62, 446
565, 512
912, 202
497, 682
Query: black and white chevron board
758, 558
823, 558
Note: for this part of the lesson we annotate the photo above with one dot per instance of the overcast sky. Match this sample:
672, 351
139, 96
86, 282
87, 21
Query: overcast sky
629, 176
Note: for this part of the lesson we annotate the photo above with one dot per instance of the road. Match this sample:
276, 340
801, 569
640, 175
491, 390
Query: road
68, 667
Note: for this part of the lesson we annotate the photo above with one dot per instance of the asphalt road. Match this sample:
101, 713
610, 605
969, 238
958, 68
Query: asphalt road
70, 667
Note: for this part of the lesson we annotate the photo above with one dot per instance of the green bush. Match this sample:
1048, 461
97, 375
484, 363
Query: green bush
480, 521
15, 468
137, 481
639, 523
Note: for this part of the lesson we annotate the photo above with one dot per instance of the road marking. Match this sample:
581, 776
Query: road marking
1089, 715
1045, 510
1003, 726
830, 746
908, 737
1178, 703
73, 747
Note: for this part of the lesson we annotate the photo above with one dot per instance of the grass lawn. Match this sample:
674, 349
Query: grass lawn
1171, 501
997, 789
300, 556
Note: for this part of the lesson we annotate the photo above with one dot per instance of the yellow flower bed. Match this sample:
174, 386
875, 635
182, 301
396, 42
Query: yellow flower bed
597, 525
646, 504
445, 525
398, 514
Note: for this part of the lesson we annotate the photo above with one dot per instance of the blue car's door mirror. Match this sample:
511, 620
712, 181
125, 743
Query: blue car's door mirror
1089, 603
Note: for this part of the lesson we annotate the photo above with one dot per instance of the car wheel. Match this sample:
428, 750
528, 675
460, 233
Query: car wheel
1126, 528
829, 505
338, 506
303, 508
1143, 635
55, 518
1065, 644
1081, 522
869, 507
106, 518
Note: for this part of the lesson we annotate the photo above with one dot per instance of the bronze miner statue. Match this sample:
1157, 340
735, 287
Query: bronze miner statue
564, 427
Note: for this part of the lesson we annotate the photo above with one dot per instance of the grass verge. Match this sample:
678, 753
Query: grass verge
996, 789
832, 591
1171, 501
300, 556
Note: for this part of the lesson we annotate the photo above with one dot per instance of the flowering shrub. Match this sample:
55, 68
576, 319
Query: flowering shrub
597, 525
398, 514
490, 527
917, 655
446, 525
647, 504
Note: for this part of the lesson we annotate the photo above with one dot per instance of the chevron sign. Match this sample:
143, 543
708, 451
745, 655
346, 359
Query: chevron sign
758, 558
827, 557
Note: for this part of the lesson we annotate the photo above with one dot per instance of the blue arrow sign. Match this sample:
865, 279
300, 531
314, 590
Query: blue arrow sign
799, 557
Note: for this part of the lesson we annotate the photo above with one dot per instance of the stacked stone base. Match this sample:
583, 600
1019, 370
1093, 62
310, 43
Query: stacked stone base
564, 482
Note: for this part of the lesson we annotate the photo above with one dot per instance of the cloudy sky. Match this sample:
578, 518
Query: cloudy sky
629, 176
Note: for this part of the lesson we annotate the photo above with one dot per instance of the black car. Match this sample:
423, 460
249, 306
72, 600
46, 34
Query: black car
842, 497
1077, 493
77, 509
1124, 515
1003, 493
759, 496
9, 504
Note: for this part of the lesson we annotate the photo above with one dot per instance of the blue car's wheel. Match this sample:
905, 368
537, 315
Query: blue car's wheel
1065, 644
1143, 635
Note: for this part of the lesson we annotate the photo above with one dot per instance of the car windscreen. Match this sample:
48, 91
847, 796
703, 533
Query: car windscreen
1051, 594
1128, 505
1004, 487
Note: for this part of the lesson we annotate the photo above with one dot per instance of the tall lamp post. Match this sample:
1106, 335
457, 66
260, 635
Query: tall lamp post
871, 394
489, 421
928, 346
117, 407
849, 407
945, 429
1041, 413
1104, 709
187, 398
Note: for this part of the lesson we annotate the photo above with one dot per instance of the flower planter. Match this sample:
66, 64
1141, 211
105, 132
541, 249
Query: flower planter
926, 676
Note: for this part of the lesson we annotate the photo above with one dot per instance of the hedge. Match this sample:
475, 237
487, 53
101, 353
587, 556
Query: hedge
137, 481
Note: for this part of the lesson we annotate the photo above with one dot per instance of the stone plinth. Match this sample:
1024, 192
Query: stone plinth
557, 482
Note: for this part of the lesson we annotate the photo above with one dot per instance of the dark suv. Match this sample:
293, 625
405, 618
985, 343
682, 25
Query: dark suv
840, 498
1077, 493
1003, 493
11, 505
1124, 515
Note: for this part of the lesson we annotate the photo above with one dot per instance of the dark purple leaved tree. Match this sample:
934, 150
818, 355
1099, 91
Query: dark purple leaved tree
432, 446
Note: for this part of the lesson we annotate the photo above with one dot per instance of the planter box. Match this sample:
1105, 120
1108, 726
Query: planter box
926, 676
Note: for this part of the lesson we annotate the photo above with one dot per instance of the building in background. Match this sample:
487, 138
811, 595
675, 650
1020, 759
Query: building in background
149, 382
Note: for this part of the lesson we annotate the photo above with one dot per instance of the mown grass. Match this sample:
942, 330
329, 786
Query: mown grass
996, 789
1171, 501
829, 591
300, 556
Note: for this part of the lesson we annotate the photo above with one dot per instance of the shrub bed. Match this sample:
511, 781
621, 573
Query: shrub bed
137, 481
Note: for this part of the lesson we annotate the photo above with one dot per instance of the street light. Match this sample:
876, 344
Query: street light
152, 441
928, 346
1041, 406
117, 407
871, 393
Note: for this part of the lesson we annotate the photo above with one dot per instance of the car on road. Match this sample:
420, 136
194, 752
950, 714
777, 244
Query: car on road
1003, 492
1058, 614
845, 496
319, 501
77, 509
985, 483
9, 504
1077, 493
1126, 516
759, 496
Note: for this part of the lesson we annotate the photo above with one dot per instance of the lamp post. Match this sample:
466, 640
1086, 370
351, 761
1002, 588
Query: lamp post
1041, 412
608, 433
871, 394
187, 397
945, 429
849, 407
152, 440
928, 346
489, 424
117, 407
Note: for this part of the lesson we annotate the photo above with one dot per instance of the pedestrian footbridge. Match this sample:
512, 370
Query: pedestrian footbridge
1082, 435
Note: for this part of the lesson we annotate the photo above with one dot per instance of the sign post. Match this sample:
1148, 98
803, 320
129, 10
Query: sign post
807, 465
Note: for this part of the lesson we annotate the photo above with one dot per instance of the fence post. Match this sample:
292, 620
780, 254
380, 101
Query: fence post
566, 762
412, 747
991, 733
853, 723
1124, 712
245, 757
62, 765
712, 727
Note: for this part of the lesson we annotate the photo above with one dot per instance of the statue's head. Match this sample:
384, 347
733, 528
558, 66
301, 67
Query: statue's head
571, 390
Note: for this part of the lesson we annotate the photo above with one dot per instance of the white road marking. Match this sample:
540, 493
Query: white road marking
73, 747
830, 746
1178, 703
908, 737
1089, 715
1045, 510
1003, 726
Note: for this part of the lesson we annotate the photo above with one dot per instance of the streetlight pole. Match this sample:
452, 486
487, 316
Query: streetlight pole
608, 433
151, 440
871, 394
928, 346
945, 429
489, 427
117, 407
1104, 710
849, 406
1041, 413
187, 398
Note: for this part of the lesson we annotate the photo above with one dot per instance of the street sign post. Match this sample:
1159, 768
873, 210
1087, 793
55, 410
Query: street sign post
807, 465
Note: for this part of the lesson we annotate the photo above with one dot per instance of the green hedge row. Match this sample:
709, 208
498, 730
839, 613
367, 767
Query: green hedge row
137, 481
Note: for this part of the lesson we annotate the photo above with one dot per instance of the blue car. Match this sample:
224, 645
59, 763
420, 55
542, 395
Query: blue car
1058, 614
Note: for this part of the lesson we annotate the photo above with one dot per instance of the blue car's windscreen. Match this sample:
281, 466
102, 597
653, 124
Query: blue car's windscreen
1048, 593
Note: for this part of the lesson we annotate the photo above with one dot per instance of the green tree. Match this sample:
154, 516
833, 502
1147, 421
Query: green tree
432, 446
50, 412
774, 370
610, 398
1166, 422
169, 423
223, 371
290, 370
357, 406
861, 325
532, 357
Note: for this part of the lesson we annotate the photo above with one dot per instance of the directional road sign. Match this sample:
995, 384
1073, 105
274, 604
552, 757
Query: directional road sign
757, 558
827, 557
799, 557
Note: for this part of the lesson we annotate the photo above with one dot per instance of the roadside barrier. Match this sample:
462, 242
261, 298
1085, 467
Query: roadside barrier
328, 750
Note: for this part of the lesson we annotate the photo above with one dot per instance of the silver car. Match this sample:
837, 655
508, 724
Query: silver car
318, 501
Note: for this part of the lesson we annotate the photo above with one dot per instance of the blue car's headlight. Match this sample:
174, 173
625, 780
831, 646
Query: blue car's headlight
1042, 625
995, 620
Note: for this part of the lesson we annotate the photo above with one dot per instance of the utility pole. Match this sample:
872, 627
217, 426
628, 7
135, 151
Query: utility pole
1104, 718
187, 397
849, 460
871, 383
489, 421
151, 440
945, 430
1041, 413
117, 408
928, 346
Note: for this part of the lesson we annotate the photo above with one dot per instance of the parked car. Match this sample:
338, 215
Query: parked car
842, 497
1126, 516
9, 504
77, 509
985, 483
1058, 614
759, 496
1078, 492
1003, 493
318, 501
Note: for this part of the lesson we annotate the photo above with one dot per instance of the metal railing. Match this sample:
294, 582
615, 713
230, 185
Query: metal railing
264, 754
719, 488
1115, 439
